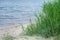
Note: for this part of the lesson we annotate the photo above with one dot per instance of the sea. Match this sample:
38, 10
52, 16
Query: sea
19, 11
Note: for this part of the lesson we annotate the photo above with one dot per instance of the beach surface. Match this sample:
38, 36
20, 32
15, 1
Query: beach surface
16, 31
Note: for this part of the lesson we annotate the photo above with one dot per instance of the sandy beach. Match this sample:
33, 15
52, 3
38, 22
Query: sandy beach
16, 31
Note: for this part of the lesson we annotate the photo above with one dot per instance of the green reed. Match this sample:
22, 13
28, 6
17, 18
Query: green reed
48, 22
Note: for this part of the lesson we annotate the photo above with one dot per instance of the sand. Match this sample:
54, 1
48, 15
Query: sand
16, 31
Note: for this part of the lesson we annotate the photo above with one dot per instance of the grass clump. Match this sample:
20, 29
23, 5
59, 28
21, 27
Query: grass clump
31, 29
8, 37
48, 22
57, 37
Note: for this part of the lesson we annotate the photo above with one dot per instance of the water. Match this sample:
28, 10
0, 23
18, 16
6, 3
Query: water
18, 11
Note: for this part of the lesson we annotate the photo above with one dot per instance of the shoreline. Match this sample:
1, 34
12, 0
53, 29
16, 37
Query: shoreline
16, 31
12, 30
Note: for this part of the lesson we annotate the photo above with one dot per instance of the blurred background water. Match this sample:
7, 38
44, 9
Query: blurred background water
18, 11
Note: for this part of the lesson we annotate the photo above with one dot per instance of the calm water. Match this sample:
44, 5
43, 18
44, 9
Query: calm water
18, 11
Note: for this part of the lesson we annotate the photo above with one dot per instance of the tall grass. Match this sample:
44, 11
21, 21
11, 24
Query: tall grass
48, 22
